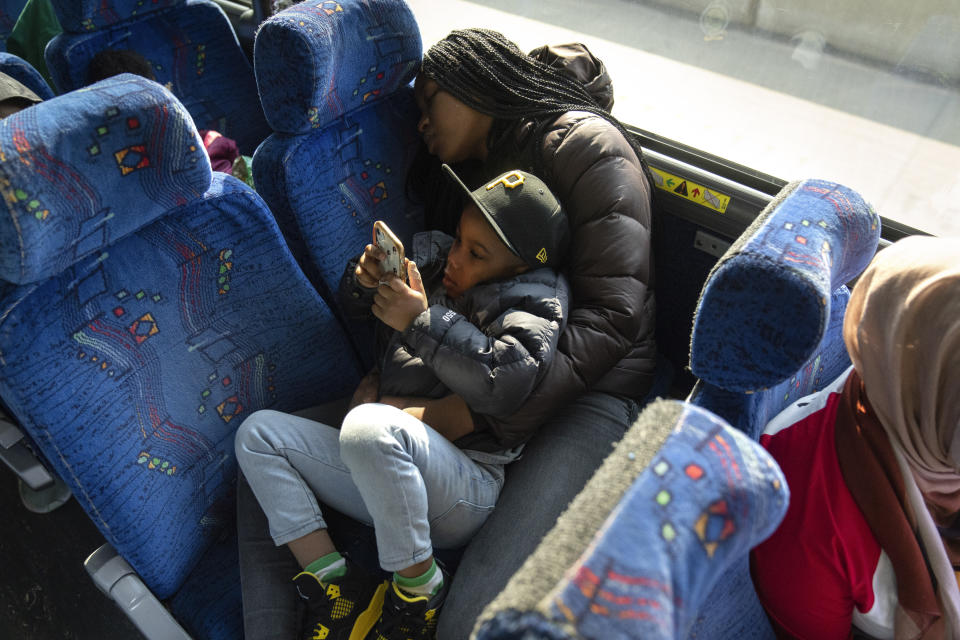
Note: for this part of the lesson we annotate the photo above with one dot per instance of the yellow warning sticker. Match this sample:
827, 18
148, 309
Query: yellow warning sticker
692, 191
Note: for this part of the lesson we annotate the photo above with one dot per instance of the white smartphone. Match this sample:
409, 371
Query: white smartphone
390, 244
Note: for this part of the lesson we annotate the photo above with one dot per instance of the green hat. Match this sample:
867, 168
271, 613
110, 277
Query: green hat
525, 215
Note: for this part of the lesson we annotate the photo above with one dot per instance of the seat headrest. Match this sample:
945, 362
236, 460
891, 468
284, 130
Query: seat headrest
9, 11
766, 303
81, 16
80, 171
24, 73
317, 60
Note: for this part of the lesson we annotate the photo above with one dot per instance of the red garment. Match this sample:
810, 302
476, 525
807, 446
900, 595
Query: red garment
823, 561
221, 149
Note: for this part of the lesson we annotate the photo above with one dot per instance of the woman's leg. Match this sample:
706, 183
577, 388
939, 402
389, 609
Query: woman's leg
555, 466
270, 610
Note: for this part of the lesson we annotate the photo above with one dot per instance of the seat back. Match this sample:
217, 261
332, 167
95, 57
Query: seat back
154, 308
768, 331
24, 73
9, 12
672, 524
334, 83
767, 326
190, 45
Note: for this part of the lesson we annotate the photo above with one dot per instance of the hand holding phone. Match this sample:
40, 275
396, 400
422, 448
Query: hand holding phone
391, 246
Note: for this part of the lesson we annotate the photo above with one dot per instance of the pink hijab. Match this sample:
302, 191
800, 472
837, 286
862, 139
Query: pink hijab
902, 330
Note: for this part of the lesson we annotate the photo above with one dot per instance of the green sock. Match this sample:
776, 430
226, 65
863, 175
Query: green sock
426, 584
328, 567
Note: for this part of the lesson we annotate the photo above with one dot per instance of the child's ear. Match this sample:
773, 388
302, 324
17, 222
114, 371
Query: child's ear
521, 268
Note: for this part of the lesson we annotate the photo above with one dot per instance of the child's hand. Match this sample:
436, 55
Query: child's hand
396, 304
369, 270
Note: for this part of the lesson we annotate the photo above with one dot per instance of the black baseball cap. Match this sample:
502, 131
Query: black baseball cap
13, 89
525, 215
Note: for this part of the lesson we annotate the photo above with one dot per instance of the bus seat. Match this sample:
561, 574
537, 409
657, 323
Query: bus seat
767, 326
189, 43
334, 83
9, 12
767, 331
683, 497
148, 306
24, 73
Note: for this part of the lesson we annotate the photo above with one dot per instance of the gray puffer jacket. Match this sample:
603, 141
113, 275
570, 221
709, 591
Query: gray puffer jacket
492, 346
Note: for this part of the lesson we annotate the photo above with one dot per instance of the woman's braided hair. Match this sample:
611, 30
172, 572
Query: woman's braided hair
490, 74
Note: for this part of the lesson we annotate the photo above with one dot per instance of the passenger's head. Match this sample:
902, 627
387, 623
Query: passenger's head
902, 330
109, 63
451, 130
475, 77
510, 225
14, 96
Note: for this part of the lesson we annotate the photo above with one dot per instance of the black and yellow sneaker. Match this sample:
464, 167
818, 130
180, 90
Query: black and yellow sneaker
345, 608
408, 617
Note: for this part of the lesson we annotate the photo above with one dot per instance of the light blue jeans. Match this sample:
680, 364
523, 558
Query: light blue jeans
383, 467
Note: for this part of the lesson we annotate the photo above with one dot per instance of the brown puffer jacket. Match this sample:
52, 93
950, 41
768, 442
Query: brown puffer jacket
608, 344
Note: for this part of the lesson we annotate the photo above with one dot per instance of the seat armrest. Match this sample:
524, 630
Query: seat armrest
116, 578
19, 458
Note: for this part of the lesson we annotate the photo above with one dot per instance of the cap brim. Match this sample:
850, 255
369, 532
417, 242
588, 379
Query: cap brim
483, 210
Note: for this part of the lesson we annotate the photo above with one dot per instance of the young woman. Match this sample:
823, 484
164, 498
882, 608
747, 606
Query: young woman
871, 539
485, 104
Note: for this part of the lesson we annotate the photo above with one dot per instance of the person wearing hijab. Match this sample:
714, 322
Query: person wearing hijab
871, 540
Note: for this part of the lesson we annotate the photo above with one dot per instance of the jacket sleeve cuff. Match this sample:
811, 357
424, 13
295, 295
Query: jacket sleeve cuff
355, 299
428, 329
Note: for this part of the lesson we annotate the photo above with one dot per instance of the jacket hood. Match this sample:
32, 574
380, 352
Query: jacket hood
576, 61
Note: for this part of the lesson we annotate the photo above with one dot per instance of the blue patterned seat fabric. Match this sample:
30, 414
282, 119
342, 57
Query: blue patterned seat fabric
189, 43
769, 316
69, 195
768, 331
24, 73
132, 367
708, 496
766, 304
334, 83
9, 12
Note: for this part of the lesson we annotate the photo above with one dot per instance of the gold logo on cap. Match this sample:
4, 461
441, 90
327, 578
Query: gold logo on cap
542, 255
510, 180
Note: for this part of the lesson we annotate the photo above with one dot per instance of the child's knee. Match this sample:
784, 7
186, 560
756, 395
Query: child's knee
251, 434
364, 428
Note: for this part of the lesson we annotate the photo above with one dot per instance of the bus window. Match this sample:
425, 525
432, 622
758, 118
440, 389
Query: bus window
869, 97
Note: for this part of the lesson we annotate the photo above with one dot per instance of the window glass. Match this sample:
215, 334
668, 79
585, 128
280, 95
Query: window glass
863, 92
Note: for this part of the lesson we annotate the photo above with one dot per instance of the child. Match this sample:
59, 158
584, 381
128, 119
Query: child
473, 334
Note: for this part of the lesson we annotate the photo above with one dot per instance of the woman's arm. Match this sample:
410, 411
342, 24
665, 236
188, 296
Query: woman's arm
450, 416
368, 390
602, 186
596, 175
